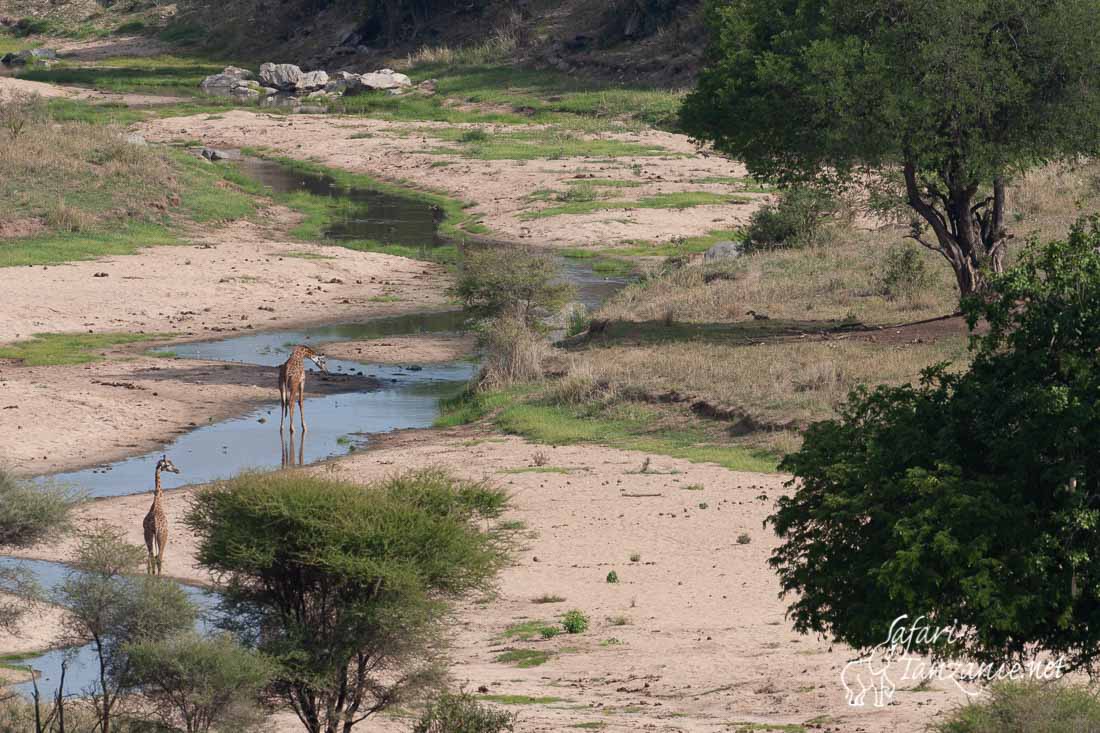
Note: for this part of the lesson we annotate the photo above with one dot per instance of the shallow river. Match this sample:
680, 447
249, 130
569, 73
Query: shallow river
407, 397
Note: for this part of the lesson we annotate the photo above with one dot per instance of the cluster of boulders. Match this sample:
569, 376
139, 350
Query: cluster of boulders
289, 81
29, 56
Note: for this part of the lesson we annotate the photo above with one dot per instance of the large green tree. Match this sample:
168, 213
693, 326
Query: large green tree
973, 497
344, 586
952, 97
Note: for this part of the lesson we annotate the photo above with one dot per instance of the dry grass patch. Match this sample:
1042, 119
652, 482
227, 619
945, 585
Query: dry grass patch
72, 176
776, 383
1046, 201
839, 282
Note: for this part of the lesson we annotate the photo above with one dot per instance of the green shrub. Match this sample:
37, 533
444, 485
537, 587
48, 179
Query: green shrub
549, 632
574, 622
462, 713
904, 273
496, 281
1019, 707
612, 577
209, 683
348, 582
578, 320
474, 136
797, 219
30, 513
31, 27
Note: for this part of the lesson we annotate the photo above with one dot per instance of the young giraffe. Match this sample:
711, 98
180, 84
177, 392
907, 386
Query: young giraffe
292, 383
156, 521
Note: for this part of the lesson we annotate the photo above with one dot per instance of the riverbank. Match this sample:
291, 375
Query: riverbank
692, 635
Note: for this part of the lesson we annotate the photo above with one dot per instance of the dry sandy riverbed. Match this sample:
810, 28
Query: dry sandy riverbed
423, 349
238, 278
705, 643
499, 189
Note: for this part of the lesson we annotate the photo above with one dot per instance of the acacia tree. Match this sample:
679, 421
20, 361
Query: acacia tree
344, 586
956, 97
974, 497
111, 608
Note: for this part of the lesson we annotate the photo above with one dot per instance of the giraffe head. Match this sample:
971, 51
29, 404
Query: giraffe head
319, 360
166, 465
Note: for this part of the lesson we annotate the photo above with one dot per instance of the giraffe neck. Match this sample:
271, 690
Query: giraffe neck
157, 491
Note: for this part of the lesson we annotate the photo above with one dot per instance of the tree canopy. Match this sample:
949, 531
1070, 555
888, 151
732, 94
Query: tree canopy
971, 497
953, 97
344, 586
111, 608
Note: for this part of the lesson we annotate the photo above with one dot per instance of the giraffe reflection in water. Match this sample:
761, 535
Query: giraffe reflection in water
286, 441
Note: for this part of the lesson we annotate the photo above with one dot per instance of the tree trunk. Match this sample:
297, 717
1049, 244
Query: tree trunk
970, 236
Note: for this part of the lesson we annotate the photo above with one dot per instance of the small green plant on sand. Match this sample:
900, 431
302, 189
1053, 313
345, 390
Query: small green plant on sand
575, 622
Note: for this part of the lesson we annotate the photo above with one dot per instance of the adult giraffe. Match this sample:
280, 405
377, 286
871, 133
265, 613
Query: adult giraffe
156, 521
292, 383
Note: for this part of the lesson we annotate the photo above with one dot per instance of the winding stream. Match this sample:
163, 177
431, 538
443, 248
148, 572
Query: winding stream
407, 396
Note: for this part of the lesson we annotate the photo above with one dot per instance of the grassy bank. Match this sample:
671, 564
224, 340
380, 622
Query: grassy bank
165, 74
505, 93
53, 349
76, 190
540, 413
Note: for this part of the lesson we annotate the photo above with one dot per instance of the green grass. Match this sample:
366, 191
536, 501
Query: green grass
550, 143
524, 630
14, 660
601, 263
679, 200
594, 725
676, 247
748, 185
521, 699
524, 658
166, 74
203, 199
604, 182
56, 248
10, 43
626, 425
52, 349
768, 728
514, 95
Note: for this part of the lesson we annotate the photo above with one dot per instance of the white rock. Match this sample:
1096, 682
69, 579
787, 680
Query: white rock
280, 76
311, 81
384, 79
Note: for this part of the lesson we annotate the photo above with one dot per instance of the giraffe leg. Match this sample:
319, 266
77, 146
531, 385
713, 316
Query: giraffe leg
290, 411
302, 410
161, 542
149, 541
